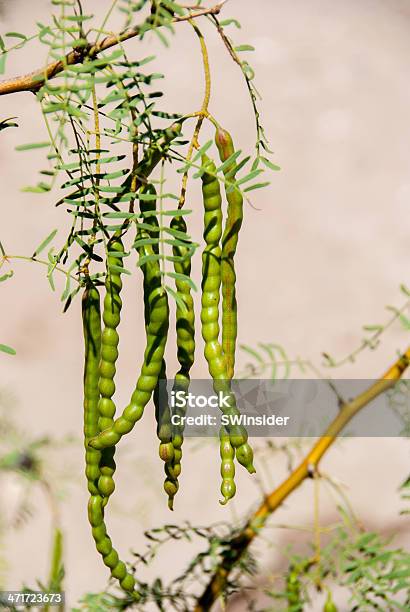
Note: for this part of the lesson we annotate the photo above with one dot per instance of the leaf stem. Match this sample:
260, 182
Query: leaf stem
6, 257
201, 114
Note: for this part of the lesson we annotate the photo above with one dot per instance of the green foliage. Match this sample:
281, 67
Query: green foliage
102, 102
7, 349
101, 99
376, 576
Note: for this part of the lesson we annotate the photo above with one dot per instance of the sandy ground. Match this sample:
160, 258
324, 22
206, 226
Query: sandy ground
322, 252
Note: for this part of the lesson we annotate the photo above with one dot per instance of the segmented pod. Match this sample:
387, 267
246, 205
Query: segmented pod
157, 331
185, 329
211, 282
156, 152
91, 315
233, 224
170, 444
109, 355
227, 452
147, 245
104, 546
164, 433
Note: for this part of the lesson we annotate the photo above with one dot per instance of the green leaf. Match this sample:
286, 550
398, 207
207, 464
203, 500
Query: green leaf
269, 164
3, 58
244, 48
250, 75
269, 349
148, 226
51, 281
78, 18
7, 349
180, 302
252, 353
67, 288
137, 63
119, 254
161, 36
144, 241
228, 162
32, 145
177, 233
202, 150
164, 115
147, 258
45, 242
249, 177
121, 215
70, 297
39, 188
227, 22
373, 328
257, 186
111, 175
6, 276
173, 6
241, 164
57, 568
183, 278
177, 213
16, 35
405, 321
119, 269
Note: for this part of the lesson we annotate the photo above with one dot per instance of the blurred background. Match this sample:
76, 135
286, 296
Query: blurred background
322, 251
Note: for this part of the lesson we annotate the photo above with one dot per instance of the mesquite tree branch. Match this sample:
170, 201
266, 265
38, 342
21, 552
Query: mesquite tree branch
307, 467
35, 80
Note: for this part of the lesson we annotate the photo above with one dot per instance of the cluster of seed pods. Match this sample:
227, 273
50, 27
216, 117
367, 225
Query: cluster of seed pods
102, 429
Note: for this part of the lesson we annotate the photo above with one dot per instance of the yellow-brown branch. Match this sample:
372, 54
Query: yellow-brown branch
307, 468
35, 80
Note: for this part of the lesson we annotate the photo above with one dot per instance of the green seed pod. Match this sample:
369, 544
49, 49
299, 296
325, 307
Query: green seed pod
157, 321
151, 274
211, 282
104, 546
185, 329
223, 141
107, 368
92, 344
228, 487
164, 432
167, 447
233, 224
157, 151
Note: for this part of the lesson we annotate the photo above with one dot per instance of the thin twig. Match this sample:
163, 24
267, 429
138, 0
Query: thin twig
202, 113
